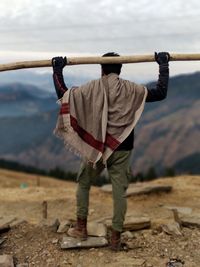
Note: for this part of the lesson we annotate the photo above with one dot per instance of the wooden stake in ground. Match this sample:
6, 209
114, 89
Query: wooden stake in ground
38, 180
96, 60
44, 209
176, 217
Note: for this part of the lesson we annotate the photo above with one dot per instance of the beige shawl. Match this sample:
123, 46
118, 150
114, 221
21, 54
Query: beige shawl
97, 117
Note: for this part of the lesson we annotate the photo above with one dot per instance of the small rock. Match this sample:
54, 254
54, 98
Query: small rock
52, 224
172, 229
91, 211
6, 261
96, 229
44, 253
132, 245
175, 263
100, 254
63, 227
55, 241
18, 236
127, 235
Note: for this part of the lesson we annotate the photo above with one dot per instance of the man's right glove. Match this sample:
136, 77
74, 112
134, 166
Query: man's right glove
58, 63
162, 57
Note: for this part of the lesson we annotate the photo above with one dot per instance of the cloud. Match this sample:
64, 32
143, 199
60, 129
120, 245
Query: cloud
43, 28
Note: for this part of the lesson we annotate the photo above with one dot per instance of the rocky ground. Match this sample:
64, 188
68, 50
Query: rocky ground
34, 244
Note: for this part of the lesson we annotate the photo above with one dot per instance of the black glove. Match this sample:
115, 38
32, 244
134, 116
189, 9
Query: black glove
162, 57
58, 63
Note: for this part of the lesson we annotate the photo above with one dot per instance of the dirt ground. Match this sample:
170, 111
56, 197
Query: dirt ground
21, 196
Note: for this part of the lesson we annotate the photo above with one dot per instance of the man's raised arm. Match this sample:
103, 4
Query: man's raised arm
58, 63
160, 91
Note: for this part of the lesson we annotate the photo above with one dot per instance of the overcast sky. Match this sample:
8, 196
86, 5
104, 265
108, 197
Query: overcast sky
38, 29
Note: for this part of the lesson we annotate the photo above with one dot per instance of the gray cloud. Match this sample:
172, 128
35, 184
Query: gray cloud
30, 28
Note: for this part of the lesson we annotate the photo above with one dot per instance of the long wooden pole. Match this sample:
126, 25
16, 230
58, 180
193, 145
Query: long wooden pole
96, 60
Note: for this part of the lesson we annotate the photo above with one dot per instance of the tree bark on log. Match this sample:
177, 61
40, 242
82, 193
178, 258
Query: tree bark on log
96, 60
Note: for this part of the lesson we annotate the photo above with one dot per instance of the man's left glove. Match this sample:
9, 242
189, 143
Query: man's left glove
162, 57
58, 63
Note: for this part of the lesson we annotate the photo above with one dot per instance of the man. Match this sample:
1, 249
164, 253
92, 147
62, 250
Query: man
97, 120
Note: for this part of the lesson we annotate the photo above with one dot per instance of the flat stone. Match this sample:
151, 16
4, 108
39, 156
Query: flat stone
133, 223
141, 188
52, 224
23, 265
91, 242
183, 210
96, 229
148, 189
190, 221
172, 229
6, 261
17, 222
7, 221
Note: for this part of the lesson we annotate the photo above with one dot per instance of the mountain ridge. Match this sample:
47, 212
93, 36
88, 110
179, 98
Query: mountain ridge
167, 133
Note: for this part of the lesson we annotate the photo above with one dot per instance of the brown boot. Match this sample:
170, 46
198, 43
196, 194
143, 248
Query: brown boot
115, 241
79, 230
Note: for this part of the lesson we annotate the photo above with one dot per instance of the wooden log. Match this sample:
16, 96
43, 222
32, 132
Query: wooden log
96, 60
38, 180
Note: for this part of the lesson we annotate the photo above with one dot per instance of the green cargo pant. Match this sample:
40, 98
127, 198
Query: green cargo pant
119, 173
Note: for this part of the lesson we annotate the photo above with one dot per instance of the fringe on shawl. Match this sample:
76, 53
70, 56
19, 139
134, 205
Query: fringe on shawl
58, 132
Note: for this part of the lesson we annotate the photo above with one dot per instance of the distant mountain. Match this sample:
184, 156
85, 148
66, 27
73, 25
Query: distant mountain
42, 79
24, 100
30, 140
168, 133
189, 164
